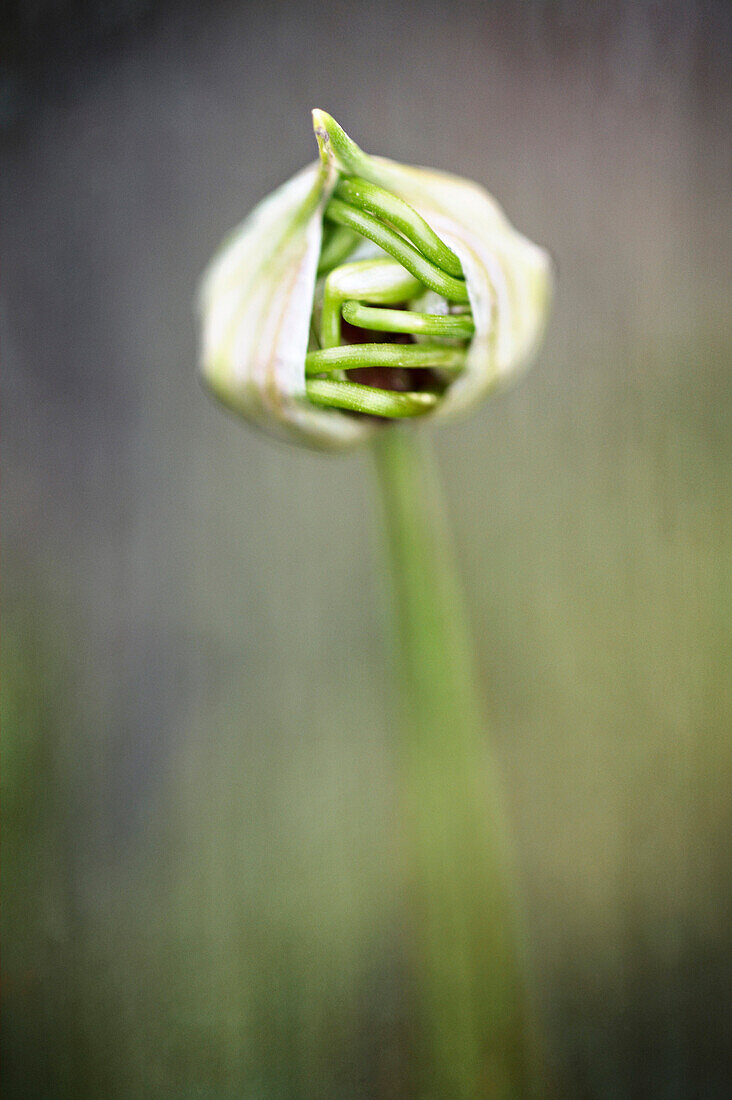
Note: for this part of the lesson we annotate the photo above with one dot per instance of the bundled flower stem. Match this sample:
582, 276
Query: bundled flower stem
476, 1032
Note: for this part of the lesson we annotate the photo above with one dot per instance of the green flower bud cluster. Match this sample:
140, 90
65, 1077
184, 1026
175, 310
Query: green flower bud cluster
441, 297
362, 292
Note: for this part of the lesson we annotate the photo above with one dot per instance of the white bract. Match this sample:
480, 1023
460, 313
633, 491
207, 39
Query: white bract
257, 296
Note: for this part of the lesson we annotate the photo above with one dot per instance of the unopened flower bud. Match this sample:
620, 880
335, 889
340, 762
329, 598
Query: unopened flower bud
356, 274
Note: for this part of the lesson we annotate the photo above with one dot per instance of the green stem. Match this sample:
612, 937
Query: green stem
352, 356
383, 204
342, 213
453, 327
475, 1037
368, 399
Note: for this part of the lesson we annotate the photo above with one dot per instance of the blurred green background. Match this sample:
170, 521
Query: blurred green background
200, 820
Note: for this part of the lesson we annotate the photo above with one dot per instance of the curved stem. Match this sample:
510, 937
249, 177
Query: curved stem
370, 400
353, 356
383, 204
455, 290
474, 1028
379, 281
454, 327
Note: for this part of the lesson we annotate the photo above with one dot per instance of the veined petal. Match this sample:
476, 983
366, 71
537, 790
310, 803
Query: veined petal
508, 277
256, 302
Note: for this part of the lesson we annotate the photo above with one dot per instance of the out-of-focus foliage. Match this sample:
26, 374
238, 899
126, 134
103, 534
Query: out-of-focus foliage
201, 821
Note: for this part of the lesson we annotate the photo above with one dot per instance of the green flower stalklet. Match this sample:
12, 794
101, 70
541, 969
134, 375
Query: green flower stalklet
360, 293
437, 283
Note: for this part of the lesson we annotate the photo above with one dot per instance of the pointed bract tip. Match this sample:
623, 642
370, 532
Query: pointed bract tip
321, 119
321, 123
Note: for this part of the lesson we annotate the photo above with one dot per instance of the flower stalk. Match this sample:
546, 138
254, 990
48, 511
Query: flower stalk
476, 1036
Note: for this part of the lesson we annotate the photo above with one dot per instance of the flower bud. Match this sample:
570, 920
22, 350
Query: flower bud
262, 299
